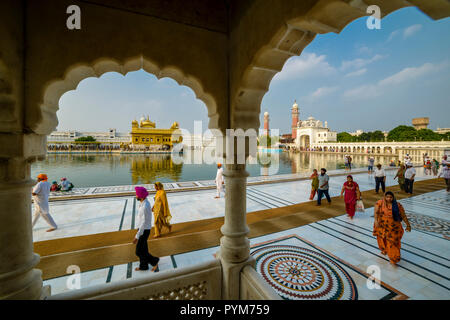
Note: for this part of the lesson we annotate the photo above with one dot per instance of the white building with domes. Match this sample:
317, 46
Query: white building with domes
311, 131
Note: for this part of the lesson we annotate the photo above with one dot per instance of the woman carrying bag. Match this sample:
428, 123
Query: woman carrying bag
352, 194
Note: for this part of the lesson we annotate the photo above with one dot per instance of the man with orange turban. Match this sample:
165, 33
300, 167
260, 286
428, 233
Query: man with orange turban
219, 180
40, 193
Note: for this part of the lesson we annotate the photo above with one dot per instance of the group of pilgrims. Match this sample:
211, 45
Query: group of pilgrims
388, 213
388, 216
160, 209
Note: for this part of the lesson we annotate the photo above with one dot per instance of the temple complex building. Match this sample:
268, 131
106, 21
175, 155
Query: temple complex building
146, 134
295, 114
421, 123
310, 131
266, 123
111, 136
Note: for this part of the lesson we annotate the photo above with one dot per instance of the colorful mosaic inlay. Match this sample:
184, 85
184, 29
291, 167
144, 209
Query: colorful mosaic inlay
298, 273
430, 224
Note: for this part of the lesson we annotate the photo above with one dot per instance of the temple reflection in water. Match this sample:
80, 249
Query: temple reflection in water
149, 169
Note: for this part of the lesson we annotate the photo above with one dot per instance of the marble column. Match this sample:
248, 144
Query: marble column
234, 245
18, 279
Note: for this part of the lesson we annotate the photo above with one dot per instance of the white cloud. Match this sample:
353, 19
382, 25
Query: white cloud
403, 76
408, 32
409, 74
393, 34
364, 50
307, 65
323, 91
364, 91
356, 73
359, 63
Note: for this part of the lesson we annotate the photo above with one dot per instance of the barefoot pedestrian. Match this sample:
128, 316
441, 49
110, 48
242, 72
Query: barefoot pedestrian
144, 219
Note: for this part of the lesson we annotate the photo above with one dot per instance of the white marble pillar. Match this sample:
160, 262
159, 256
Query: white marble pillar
18, 278
234, 245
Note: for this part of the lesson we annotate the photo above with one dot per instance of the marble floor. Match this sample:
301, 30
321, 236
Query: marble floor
90, 216
328, 259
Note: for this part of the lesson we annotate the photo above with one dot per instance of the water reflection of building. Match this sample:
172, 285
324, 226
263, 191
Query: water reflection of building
301, 162
146, 134
154, 168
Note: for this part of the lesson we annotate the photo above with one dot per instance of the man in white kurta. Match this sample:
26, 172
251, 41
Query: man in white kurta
219, 180
40, 193
144, 225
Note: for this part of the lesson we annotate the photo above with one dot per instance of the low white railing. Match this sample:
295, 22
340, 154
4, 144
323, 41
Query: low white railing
199, 282
254, 287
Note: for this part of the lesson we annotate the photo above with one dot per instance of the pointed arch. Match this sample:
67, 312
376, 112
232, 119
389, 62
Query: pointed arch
53, 91
291, 26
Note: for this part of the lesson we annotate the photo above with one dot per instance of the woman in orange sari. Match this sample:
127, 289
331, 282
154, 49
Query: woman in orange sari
388, 226
161, 211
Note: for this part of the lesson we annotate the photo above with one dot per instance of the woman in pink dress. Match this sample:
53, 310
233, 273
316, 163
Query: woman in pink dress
352, 194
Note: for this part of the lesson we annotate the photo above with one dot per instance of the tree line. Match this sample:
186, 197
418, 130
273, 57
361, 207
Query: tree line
400, 133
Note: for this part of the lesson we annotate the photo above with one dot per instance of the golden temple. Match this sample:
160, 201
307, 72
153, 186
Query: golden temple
145, 133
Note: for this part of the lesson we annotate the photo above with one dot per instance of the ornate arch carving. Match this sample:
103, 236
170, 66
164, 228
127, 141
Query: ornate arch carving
75, 74
299, 26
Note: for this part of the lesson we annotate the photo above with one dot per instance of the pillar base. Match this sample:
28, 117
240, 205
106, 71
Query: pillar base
231, 277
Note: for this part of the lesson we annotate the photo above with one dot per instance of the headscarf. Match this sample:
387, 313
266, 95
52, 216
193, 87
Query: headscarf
42, 176
164, 209
141, 192
219, 165
395, 209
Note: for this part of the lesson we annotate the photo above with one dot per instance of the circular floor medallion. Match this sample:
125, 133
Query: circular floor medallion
300, 273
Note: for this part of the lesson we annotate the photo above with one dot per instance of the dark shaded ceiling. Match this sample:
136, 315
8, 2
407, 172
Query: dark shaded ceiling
206, 14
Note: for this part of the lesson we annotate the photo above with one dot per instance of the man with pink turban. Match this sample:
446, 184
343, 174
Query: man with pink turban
144, 224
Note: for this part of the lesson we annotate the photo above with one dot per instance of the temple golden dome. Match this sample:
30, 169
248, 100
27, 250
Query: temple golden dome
175, 125
147, 124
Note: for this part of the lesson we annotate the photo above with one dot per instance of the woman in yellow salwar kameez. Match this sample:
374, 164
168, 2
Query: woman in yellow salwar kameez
161, 211
388, 226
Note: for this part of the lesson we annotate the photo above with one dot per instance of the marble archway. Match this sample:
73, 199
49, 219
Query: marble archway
305, 141
74, 75
280, 30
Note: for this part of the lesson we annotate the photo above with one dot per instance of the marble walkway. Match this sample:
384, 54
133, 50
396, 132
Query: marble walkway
337, 252
91, 216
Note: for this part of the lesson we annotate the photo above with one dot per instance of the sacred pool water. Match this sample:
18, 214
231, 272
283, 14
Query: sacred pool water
91, 170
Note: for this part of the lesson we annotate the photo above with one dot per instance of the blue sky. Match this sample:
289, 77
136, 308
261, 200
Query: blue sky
358, 79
